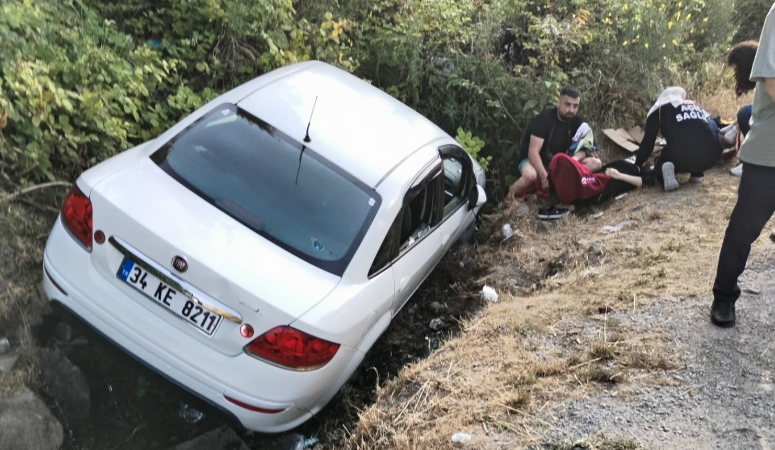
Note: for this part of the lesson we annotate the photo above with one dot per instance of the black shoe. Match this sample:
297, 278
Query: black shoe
552, 213
722, 313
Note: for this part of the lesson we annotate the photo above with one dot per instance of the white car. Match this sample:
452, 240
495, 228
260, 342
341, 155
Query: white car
255, 251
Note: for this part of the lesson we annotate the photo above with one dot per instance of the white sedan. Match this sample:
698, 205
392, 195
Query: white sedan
255, 251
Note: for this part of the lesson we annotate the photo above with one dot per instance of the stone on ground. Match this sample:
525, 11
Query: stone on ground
26, 423
66, 384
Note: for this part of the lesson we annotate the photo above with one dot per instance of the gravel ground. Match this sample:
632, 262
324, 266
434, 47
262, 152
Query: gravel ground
721, 397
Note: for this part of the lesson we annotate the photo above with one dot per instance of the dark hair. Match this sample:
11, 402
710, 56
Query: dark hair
571, 92
741, 57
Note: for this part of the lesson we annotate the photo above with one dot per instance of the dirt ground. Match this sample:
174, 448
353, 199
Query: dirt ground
612, 349
720, 396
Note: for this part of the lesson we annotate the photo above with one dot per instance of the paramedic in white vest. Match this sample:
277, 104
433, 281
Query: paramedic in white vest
693, 142
756, 194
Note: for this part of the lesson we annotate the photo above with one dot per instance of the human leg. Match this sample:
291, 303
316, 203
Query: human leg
752, 211
527, 178
743, 123
743, 119
667, 171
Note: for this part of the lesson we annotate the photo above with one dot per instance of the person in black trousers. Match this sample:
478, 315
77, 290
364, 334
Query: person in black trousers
693, 142
756, 194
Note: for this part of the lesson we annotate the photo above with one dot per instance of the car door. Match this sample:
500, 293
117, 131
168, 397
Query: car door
457, 213
416, 236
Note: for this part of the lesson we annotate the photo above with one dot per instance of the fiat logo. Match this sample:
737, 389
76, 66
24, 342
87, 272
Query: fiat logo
180, 264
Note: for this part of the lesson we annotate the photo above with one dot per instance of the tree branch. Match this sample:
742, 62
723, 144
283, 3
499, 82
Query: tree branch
11, 197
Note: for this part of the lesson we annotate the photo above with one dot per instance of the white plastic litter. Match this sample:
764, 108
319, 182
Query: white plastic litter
507, 231
460, 438
490, 294
616, 228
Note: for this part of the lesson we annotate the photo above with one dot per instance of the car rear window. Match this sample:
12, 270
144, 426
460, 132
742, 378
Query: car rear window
273, 185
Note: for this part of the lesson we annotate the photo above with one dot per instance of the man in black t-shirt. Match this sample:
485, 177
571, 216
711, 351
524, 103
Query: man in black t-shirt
551, 132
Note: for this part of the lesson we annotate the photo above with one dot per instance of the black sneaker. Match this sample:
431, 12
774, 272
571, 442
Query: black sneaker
552, 213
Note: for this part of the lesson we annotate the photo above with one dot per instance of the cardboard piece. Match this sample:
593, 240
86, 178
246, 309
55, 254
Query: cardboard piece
622, 138
630, 139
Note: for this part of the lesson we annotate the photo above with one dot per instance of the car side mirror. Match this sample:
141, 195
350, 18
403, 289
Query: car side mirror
476, 198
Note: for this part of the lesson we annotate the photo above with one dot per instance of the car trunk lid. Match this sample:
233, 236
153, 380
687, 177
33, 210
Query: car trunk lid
150, 217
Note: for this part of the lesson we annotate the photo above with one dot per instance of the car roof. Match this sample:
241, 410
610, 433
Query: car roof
356, 126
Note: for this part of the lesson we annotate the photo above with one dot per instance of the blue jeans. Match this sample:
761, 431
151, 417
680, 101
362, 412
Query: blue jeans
744, 119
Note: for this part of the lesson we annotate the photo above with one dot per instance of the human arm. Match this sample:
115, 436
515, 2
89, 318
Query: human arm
630, 179
534, 156
649, 138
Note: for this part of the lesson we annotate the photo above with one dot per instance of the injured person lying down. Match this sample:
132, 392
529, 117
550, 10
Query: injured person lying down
576, 185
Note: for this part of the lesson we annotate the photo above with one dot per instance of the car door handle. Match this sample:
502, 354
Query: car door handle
445, 238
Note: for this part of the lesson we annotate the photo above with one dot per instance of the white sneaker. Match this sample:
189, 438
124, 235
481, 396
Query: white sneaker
737, 171
668, 175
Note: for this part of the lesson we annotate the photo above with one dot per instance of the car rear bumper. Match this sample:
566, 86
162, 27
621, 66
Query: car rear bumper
71, 280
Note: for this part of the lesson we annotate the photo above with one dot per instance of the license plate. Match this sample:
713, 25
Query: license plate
168, 297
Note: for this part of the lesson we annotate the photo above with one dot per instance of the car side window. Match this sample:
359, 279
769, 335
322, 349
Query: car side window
454, 184
420, 213
458, 177
388, 251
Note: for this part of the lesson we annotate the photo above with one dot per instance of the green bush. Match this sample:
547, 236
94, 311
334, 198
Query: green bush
84, 79
749, 18
222, 43
75, 90
489, 67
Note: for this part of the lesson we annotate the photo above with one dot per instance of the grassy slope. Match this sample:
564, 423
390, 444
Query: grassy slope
536, 347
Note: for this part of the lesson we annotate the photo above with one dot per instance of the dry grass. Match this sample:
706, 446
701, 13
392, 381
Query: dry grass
554, 340
22, 237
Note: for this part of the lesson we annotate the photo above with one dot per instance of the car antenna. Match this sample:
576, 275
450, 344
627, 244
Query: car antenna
307, 139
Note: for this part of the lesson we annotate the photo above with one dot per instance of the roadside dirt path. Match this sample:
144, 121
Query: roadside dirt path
722, 395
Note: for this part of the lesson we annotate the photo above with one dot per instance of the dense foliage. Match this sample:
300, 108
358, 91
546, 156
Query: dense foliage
84, 79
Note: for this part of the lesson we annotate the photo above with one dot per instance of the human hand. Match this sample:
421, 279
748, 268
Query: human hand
613, 173
545, 181
511, 196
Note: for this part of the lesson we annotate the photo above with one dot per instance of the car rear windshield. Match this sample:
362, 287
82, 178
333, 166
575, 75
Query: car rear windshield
273, 185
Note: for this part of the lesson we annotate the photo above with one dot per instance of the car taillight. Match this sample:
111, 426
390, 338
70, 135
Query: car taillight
292, 349
76, 215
